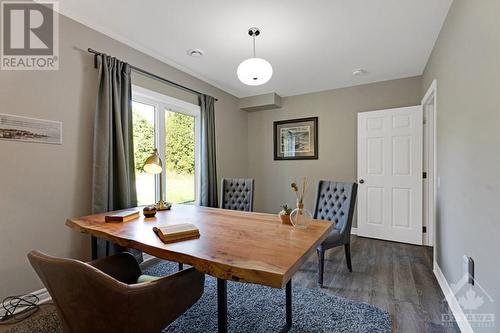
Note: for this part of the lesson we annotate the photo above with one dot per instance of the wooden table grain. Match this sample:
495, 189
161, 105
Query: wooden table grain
238, 246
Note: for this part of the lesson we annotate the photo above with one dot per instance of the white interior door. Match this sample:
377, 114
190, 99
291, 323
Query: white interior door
390, 174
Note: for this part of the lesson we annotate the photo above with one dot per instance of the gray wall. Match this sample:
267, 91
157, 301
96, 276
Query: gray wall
337, 111
466, 63
42, 185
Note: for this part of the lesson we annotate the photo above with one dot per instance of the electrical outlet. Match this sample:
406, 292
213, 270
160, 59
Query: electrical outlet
468, 268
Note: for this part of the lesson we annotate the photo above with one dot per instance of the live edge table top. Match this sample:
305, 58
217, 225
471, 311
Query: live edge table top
238, 246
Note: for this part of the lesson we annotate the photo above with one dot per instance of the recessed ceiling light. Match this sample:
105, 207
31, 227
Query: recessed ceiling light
359, 72
195, 53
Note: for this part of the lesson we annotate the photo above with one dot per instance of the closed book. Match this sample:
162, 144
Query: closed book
124, 216
177, 232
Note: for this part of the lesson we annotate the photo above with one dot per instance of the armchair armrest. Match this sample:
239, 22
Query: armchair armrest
171, 295
122, 266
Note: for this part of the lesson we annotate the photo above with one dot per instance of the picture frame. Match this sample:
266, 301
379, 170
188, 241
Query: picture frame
296, 139
27, 129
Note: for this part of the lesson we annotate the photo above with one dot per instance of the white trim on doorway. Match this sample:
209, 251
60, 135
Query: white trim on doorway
429, 105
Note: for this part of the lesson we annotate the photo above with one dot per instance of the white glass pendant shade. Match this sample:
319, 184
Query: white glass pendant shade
254, 71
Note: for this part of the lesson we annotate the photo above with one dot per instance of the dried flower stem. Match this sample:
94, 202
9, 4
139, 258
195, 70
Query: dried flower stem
298, 193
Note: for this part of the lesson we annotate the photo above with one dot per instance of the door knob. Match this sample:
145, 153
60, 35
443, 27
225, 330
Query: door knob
361, 181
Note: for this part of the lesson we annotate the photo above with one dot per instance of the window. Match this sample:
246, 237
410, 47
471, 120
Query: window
173, 127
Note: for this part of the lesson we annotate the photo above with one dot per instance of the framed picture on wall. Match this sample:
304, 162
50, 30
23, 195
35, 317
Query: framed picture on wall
19, 128
296, 139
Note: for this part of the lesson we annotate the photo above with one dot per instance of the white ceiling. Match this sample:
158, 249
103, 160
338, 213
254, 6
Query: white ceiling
313, 45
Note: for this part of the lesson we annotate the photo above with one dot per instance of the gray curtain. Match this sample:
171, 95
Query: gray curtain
208, 173
113, 184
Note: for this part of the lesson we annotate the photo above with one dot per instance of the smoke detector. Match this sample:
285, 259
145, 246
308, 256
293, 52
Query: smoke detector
359, 72
195, 53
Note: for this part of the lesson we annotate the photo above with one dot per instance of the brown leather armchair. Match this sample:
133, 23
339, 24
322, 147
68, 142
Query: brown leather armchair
105, 295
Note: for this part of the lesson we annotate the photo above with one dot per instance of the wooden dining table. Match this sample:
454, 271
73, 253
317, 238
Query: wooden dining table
233, 246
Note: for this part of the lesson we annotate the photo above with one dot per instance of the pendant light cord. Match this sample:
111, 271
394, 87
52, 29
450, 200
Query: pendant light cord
253, 45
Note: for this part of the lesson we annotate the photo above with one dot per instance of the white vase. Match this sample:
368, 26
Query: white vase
300, 217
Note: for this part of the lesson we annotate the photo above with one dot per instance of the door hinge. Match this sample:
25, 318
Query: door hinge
424, 121
424, 175
424, 229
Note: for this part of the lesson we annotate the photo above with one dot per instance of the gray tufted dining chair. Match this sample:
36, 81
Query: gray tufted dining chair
335, 202
237, 194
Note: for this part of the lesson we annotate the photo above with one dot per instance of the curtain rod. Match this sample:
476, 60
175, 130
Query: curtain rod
154, 76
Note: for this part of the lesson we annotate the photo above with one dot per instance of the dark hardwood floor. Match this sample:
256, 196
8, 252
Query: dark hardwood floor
393, 276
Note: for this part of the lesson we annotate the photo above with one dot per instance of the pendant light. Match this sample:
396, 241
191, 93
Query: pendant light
254, 71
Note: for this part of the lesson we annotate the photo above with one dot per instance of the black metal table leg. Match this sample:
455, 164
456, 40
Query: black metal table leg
288, 293
93, 245
222, 305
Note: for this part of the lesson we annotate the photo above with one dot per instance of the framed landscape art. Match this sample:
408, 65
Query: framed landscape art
18, 128
296, 139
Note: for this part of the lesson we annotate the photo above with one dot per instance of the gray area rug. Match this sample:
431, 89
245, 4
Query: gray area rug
43, 321
254, 308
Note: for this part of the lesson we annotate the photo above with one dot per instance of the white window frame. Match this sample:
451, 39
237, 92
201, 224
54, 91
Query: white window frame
161, 103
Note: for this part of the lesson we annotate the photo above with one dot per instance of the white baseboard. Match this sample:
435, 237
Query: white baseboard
148, 260
354, 231
455, 308
43, 297
147, 257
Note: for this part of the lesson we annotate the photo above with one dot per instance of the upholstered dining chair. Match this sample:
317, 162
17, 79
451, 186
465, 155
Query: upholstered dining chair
335, 202
111, 294
237, 194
